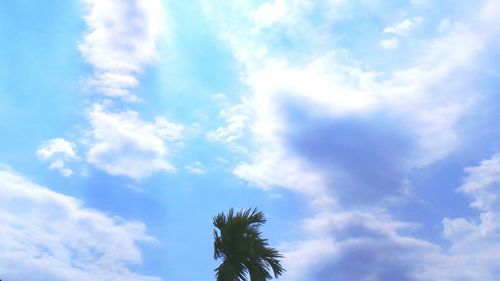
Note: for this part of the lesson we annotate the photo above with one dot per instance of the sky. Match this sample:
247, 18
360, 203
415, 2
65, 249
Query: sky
367, 131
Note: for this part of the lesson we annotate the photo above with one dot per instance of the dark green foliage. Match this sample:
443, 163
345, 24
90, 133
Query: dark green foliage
238, 242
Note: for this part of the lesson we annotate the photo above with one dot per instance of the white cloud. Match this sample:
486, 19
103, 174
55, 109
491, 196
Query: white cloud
329, 83
196, 168
357, 246
301, 256
237, 118
426, 100
274, 168
58, 152
50, 236
370, 245
474, 241
121, 40
269, 13
392, 43
332, 86
405, 27
335, 86
436, 130
483, 183
296, 19
122, 143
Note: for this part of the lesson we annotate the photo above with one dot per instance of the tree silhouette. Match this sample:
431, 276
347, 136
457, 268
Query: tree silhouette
238, 242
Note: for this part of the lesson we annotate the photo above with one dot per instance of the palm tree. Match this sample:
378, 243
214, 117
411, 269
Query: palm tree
238, 243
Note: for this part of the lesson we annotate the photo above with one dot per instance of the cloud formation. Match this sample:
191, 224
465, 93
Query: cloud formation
121, 40
474, 241
236, 118
483, 184
391, 43
358, 246
123, 144
50, 236
58, 152
333, 127
335, 86
403, 28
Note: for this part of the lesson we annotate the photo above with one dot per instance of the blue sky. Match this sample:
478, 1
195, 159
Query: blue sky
367, 131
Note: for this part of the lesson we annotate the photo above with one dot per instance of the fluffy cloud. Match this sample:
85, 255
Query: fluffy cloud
301, 256
329, 108
278, 169
419, 108
358, 246
474, 242
371, 245
50, 236
121, 40
58, 152
483, 183
330, 126
121, 143
354, 245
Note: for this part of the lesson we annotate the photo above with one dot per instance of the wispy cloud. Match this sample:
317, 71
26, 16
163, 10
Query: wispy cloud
404, 27
50, 236
392, 43
197, 168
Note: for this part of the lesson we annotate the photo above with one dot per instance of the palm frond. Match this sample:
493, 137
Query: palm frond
237, 240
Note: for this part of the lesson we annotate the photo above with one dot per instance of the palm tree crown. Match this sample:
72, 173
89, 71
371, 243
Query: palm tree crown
238, 243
